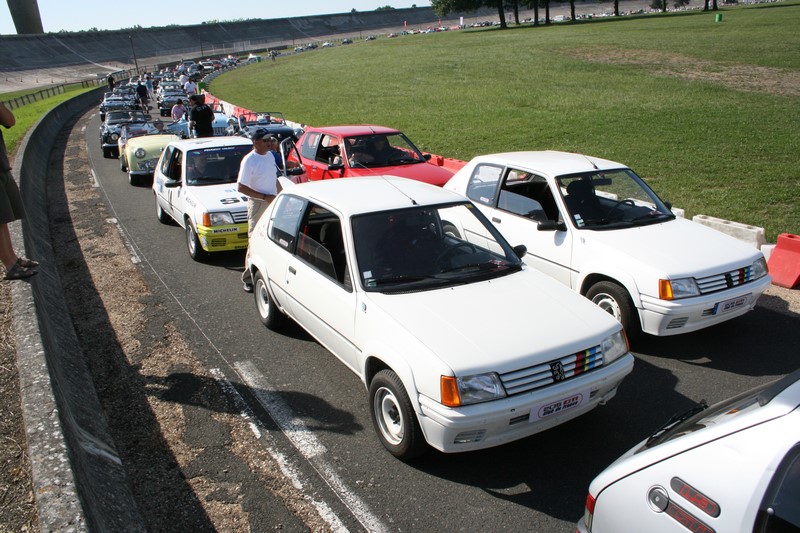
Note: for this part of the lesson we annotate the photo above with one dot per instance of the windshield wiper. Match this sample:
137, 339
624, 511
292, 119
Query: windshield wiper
673, 422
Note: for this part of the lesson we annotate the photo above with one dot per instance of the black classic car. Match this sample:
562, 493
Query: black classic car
167, 98
110, 129
272, 121
118, 100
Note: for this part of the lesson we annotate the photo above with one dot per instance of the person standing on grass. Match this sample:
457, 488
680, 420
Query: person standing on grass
258, 180
11, 209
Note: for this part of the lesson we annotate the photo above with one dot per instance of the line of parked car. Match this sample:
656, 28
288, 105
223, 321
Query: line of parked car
389, 270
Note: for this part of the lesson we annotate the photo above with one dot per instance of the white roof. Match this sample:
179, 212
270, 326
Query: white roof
210, 142
550, 162
353, 196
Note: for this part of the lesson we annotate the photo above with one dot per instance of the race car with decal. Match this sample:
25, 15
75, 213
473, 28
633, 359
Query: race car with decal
195, 185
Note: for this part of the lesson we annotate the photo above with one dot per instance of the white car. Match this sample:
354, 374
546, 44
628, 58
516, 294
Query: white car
195, 185
458, 342
597, 227
733, 467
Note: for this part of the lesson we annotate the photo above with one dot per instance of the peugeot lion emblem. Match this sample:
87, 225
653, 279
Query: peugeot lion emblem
557, 369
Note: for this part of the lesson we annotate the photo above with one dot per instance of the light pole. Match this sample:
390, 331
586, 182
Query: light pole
133, 50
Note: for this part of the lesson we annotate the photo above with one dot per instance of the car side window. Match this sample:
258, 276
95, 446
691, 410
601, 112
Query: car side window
328, 150
165, 161
321, 244
528, 195
483, 182
308, 148
779, 511
286, 221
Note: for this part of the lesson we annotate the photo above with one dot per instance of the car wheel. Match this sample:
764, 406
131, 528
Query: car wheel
107, 153
134, 180
193, 243
123, 165
614, 299
268, 311
393, 416
450, 230
162, 215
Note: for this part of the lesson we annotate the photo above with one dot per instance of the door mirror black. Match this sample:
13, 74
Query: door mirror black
520, 250
551, 225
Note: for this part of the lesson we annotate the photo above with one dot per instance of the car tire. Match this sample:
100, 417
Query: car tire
615, 300
450, 229
393, 416
134, 180
123, 164
107, 153
268, 312
162, 215
196, 251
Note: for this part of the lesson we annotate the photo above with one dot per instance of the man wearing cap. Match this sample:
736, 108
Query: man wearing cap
201, 117
258, 180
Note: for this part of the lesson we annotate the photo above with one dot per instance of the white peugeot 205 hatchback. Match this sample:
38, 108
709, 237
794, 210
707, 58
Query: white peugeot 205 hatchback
597, 227
459, 344
730, 468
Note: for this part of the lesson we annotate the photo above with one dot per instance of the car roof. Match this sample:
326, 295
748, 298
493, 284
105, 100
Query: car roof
210, 142
355, 196
551, 162
354, 130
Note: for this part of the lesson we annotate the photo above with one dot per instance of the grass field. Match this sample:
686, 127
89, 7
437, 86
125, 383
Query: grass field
29, 114
706, 111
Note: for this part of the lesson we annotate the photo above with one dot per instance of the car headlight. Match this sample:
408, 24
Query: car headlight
759, 268
140, 153
471, 389
673, 289
217, 219
615, 346
114, 136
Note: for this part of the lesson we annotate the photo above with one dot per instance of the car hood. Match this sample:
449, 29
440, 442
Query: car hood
425, 172
151, 142
675, 248
221, 197
520, 319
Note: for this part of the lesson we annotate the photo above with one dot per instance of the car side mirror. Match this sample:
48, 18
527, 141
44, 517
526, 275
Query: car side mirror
427, 157
336, 166
520, 250
172, 184
551, 225
668, 205
295, 171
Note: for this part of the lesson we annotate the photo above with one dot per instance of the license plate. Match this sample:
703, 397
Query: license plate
730, 305
561, 405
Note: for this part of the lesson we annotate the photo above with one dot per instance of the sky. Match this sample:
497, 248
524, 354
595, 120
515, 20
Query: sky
76, 15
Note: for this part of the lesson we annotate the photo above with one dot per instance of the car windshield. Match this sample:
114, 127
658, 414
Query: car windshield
381, 150
123, 117
425, 247
611, 199
211, 166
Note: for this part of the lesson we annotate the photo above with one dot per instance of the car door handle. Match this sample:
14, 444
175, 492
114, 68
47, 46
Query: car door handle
292, 270
495, 219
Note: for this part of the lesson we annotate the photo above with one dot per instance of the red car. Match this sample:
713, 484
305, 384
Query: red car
367, 150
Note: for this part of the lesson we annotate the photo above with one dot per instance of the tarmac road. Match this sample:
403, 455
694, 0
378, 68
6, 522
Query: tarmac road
311, 411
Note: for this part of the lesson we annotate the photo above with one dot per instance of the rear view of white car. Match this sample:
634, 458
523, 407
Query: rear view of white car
733, 467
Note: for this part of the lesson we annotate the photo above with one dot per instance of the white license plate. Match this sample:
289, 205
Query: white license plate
561, 405
730, 305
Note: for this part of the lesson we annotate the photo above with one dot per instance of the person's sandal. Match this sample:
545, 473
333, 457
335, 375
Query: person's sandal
27, 263
19, 272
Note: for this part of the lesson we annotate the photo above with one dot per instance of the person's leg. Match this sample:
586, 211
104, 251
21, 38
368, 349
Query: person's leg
7, 255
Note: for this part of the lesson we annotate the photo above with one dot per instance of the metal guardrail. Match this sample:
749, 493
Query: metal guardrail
29, 98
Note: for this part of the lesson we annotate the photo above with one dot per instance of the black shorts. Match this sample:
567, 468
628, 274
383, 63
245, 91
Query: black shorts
10, 200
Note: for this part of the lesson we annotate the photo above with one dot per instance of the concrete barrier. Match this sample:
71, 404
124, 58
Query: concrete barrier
744, 232
78, 478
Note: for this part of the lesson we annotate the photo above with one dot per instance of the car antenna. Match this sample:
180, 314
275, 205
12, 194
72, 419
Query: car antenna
591, 163
401, 191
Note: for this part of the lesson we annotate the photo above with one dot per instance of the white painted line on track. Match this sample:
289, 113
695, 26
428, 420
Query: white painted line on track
287, 466
307, 444
134, 257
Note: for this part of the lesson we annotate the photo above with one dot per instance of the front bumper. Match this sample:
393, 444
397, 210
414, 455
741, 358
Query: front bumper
223, 238
665, 317
145, 167
484, 425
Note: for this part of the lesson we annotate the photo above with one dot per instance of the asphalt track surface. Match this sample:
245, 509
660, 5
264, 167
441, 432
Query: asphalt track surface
315, 411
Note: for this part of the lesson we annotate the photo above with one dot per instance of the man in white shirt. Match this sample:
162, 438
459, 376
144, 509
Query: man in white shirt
258, 180
190, 88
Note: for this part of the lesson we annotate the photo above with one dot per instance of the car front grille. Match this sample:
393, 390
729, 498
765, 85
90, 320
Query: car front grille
539, 376
725, 280
239, 217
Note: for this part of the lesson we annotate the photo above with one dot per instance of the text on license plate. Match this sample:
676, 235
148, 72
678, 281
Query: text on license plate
561, 405
730, 305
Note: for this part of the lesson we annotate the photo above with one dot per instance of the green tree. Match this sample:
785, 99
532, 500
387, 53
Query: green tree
443, 7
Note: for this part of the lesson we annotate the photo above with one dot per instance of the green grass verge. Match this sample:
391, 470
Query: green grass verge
706, 111
29, 114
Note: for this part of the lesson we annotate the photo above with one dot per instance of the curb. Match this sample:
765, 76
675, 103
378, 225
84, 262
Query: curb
78, 479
